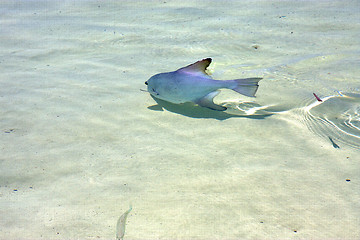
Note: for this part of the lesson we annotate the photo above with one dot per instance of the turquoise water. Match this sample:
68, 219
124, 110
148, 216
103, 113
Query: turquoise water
80, 142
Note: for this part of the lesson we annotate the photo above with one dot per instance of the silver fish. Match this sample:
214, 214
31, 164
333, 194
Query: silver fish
120, 226
193, 84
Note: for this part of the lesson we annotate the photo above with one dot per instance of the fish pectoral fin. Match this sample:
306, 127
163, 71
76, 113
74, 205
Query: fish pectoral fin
207, 101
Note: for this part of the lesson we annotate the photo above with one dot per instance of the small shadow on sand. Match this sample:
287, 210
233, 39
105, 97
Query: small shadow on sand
195, 111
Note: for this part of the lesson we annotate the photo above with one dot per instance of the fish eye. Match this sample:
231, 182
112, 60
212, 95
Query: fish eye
146, 83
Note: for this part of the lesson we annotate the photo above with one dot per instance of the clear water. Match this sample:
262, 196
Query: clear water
80, 142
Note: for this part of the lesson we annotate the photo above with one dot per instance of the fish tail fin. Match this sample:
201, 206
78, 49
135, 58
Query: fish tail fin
246, 86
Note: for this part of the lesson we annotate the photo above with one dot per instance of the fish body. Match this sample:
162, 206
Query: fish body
193, 84
120, 225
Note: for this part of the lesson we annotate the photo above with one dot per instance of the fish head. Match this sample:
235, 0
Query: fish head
175, 87
154, 84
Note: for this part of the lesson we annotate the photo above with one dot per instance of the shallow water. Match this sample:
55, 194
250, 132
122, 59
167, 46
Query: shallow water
80, 142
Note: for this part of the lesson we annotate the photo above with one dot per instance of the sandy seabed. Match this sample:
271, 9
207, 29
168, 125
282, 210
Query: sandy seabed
80, 142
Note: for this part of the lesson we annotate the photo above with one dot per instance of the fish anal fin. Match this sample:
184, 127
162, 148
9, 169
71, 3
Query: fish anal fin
207, 101
197, 68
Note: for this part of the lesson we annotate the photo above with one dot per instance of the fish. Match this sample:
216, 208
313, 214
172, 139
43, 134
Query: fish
193, 84
120, 226
317, 98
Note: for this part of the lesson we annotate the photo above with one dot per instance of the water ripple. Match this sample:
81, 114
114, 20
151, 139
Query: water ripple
336, 118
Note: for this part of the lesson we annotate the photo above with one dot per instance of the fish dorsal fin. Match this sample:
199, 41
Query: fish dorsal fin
197, 68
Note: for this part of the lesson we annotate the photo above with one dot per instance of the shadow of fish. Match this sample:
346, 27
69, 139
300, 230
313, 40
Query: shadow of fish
194, 111
333, 143
193, 84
